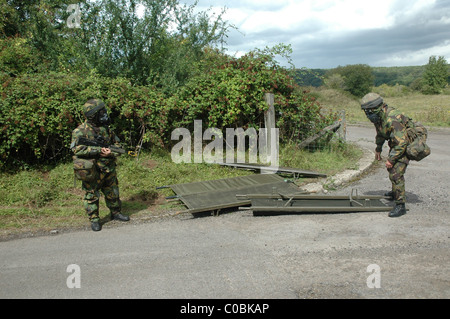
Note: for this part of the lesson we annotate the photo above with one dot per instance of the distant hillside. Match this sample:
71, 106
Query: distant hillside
404, 75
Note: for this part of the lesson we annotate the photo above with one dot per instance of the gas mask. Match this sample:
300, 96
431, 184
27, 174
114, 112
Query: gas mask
374, 115
103, 118
371, 104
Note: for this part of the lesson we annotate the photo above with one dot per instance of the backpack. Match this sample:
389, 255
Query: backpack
417, 149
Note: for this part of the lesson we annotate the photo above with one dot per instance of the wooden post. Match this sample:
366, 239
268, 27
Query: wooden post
342, 132
269, 123
269, 116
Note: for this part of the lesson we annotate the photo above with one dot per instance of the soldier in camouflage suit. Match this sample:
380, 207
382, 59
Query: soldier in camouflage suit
96, 124
391, 125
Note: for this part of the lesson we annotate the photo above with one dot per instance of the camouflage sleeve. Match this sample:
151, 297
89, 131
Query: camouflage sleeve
83, 150
399, 141
379, 140
116, 142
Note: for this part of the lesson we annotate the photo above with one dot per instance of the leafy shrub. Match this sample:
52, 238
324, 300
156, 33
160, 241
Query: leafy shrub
358, 78
36, 112
335, 81
17, 56
39, 111
230, 94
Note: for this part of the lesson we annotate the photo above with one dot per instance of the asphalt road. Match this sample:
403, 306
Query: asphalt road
238, 255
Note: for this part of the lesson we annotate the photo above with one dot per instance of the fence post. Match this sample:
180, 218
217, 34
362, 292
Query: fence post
269, 123
342, 132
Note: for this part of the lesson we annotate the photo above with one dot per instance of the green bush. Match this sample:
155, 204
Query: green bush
39, 111
358, 79
18, 56
36, 111
230, 94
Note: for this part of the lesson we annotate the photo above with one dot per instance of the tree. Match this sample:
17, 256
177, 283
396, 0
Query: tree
435, 75
30, 30
158, 47
358, 78
335, 81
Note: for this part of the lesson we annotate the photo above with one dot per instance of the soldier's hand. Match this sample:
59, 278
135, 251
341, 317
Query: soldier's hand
378, 156
105, 152
389, 165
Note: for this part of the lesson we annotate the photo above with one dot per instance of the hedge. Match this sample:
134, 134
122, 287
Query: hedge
38, 113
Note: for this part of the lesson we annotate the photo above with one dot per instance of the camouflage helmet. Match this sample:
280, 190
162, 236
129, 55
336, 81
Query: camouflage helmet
92, 107
371, 101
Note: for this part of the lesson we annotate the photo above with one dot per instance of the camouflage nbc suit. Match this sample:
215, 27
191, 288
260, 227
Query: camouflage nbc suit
107, 181
393, 128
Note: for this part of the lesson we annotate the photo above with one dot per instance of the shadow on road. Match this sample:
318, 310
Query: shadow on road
410, 197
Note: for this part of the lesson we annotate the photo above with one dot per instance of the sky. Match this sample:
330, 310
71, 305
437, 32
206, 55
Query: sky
326, 34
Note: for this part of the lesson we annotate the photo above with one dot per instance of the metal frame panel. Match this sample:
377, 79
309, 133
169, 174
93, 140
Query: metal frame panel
219, 194
274, 169
266, 203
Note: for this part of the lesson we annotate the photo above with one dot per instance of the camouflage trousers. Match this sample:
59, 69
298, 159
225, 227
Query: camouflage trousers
397, 177
108, 184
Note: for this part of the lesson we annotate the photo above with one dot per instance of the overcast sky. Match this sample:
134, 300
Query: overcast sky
326, 33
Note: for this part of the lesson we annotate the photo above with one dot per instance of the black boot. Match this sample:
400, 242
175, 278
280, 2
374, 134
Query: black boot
390, 194
95, 225
398, 210
119, 216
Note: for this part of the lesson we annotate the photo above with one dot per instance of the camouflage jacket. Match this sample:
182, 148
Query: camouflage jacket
89, 131
393, 128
